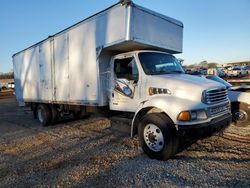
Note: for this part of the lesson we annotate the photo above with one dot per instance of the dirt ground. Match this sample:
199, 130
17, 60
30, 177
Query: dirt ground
98, 152
6, 80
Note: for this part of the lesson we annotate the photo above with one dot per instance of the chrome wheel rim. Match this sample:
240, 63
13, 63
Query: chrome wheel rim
40, 115
153, 137
240, 115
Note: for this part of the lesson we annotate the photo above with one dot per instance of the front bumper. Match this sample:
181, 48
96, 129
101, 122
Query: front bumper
214, 125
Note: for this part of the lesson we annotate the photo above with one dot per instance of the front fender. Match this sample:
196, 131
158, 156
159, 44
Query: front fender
170, 105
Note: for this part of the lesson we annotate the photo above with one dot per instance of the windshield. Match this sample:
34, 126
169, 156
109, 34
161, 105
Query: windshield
218, 79
159, 63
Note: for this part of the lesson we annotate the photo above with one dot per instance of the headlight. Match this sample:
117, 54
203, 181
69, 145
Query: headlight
192, 115
201, 114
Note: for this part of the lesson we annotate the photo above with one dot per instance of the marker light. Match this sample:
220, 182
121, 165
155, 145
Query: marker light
154, 91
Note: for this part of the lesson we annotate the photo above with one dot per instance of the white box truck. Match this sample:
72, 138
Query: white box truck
121, 58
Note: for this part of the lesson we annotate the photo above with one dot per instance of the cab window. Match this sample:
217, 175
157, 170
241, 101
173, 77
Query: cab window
126, 68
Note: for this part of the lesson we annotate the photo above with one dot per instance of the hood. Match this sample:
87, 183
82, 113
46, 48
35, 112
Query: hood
183, 85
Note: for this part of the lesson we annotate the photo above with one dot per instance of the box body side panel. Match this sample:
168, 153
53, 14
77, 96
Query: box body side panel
45, 72
27, 75
32, 70
61, 68
85, 43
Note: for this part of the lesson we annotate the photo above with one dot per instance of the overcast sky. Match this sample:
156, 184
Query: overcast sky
214, 30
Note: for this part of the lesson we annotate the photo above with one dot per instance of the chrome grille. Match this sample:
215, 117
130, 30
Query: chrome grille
215, 96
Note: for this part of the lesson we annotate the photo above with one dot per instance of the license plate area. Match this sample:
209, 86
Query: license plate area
219, 109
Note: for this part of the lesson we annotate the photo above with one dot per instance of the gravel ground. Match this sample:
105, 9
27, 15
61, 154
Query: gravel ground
98, 152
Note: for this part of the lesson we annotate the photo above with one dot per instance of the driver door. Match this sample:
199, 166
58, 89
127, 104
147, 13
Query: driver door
124, 84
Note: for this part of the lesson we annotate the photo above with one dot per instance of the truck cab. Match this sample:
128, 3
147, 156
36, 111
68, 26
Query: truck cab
165, 100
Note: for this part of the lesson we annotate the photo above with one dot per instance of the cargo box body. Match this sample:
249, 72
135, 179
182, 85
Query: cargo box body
71, 66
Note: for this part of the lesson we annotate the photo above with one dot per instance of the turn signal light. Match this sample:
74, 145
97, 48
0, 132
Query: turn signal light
151, 91
184, 116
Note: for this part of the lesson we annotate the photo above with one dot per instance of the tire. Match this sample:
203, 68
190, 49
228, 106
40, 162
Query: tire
175, 134
54, 114
156, 136
33, 107
35, 113
241, 114
44, 114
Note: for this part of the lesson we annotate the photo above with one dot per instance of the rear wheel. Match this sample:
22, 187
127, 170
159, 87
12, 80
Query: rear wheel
241, 114
35, 113
44, 114
54, 114
156, 136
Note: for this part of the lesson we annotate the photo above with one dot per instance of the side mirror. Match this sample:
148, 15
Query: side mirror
122, 87
127, 91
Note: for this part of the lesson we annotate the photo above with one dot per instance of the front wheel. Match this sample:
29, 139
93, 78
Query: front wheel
156, 136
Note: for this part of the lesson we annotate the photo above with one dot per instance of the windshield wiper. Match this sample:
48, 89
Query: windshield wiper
170, 72
165, 72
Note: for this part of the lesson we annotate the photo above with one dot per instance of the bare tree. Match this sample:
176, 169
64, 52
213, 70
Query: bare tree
9, 75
